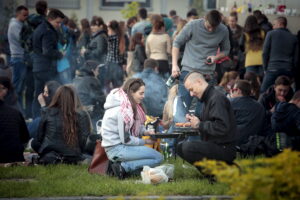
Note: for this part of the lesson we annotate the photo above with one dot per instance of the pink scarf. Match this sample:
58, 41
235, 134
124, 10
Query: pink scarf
131, 124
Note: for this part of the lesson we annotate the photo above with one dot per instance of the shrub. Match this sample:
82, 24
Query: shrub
274, 178
130, 10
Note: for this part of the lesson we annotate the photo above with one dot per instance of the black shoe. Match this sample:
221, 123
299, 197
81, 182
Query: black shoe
118, 170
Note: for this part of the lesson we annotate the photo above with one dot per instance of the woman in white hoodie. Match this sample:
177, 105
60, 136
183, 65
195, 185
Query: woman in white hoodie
122, 128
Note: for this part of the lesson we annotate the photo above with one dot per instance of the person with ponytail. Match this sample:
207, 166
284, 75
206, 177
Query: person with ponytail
115, 54
122, 128
63, 129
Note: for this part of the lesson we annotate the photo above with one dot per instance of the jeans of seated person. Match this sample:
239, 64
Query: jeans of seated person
270, 77
134, 158
19, 69
65, 76
33, 127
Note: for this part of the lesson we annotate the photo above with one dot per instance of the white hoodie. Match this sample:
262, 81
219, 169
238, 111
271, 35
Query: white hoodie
113, 129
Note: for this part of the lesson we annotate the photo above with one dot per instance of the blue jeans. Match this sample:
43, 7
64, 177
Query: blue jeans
271, 76
65, 77
33, 127
133, 158
19, 75
257, 69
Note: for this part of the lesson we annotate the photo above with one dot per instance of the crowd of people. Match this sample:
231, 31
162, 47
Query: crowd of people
238, 85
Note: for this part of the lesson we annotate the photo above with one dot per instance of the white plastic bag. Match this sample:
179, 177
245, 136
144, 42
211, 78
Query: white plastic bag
160, 174
153, 175
168, 169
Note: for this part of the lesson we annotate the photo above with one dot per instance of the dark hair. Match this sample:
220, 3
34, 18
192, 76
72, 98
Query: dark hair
257, 13
5, 81
97, 21
150, 63
192, 12
172, 13
143, 13
282, 20
234, 14
255, 84
52, 88
130, 86
253, 29
20, 8
296, 96
131, 20
134, 40
115, 26
214, 18
89, 66
41, 7
65, 100
244, 86
282, 80
55, 13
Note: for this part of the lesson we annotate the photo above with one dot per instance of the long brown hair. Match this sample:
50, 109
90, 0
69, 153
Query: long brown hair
115, 26
130, 86
65, 100
254, 31
157, 23
135, 40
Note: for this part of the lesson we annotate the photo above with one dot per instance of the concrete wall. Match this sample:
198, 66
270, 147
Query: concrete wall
89, 8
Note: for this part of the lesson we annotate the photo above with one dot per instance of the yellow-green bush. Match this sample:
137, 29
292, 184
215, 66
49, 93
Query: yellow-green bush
130, 10
274, 178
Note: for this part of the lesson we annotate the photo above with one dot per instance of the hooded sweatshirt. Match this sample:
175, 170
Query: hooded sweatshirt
113, 128
286, 118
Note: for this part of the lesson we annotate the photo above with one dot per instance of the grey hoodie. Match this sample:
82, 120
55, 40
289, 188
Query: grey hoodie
13, 35
113, 129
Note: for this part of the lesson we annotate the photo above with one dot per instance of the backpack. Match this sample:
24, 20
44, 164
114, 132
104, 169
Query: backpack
26, 33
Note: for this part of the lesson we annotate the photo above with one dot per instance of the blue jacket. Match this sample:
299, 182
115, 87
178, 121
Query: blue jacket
46, 53
156, 92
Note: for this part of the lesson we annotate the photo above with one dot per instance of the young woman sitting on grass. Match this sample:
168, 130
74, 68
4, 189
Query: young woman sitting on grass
122, 126
63, 129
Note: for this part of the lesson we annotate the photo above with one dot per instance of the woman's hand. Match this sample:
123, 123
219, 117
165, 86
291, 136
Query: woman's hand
149, 132
149, 141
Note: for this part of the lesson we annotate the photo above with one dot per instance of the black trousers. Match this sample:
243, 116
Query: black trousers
193, 151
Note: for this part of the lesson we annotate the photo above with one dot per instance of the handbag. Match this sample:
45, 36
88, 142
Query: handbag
100, 162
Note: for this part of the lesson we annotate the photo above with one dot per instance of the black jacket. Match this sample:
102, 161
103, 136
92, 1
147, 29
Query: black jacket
280, 51
250, 117
97, 48
50, 134
13, 134
268, 98
46, 53
286, 118
217, 119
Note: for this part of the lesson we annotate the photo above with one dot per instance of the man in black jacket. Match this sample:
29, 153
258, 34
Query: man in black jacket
45, 39
216, 124
279, 53
249, 114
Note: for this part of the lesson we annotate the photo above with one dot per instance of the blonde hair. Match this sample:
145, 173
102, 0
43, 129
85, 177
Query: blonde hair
227, 77
168, 109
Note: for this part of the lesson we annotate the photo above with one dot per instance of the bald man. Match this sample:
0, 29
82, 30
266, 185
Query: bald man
216, 124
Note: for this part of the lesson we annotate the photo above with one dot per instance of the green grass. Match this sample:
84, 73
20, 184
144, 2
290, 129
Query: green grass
74, 180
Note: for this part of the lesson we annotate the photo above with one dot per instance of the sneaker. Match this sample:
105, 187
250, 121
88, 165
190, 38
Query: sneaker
118, 170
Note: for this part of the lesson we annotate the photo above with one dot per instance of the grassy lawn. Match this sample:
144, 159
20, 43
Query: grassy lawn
71, 180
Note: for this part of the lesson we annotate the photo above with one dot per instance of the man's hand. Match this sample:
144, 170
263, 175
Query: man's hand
211, 59
41, 100
175, 70
195, 121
